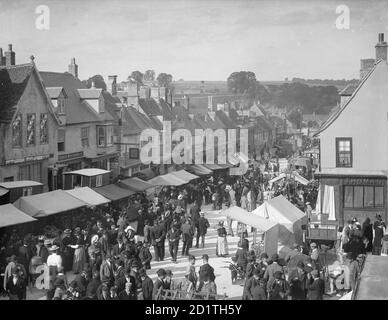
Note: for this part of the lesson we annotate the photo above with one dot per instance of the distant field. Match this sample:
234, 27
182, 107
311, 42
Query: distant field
194, 87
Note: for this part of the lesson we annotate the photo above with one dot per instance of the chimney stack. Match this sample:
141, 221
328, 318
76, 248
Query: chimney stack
2, 58
9, 56
210, 103
381, 48
112, 85
73, 68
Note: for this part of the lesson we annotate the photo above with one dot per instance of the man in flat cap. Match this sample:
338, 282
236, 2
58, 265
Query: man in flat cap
315, 286
159, 283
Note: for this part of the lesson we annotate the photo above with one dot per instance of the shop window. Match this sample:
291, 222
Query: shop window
344, 152
31, 172
363, 197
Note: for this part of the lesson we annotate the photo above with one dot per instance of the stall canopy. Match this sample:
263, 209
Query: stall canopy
270, 228
184, 175
213, 167
113, 192
200, 170
49, 203
135, 184
289, 217
89, 172
167, 180
10, 216
20, 184
87, 195
3, 191
373, 283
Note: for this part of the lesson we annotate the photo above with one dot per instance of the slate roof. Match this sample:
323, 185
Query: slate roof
13, 81
150, 107
77, 110
91, 93
166, 110
54, 92
134, 122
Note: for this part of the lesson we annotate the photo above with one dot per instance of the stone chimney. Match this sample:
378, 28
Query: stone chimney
365, 66
2, 58
73, 68
381, 48
210, 103
111, 86
133, 93
9, 56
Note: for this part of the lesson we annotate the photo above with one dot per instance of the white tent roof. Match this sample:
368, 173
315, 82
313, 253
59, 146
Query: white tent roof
89, 172
280, 210
89, 196
243, 216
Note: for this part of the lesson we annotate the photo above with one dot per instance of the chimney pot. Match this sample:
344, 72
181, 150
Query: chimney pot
10, 47
9, 59
381, 37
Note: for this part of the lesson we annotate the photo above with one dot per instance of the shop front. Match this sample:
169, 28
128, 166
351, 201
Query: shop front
359, 196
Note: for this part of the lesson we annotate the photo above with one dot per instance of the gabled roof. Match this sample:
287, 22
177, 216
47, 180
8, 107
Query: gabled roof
150, 107
77, 110
91, 93
54, 92
335, 115
134, 122
13, 81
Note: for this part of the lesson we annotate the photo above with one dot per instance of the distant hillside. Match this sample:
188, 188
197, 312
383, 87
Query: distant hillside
196, 87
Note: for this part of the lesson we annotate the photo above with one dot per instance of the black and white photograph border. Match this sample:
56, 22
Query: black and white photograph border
191, 150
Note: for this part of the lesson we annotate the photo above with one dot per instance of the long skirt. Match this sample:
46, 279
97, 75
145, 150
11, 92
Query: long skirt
79, 260
222, 246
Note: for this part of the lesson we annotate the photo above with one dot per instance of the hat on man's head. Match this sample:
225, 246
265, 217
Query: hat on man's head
264, 256
67, 231
54, 247
315, 273
161, 272
300, 264
275, 257
180, 197
47, 242
313, 245
308, 267
205, 256
256, 272
169, 273
135, 264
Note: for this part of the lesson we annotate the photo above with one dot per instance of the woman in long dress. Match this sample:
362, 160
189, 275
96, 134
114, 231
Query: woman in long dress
222, 243
79, 254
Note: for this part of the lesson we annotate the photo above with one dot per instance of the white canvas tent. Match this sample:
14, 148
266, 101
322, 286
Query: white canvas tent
289, 218
268, 227
295, 175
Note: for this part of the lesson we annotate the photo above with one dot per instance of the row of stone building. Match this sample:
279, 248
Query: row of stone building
52, 123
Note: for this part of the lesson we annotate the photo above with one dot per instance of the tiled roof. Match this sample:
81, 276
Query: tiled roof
150, 107
91, 93
134, 122
13, 81
54, 92
77, 110
166, 110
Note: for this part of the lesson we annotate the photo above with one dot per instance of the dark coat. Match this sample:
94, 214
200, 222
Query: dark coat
316, 289
248, 287
145, 257
157, 285
147, 288
123, 295
16, 291
43, 253
91, 289
258, 292
206, 271
203, 224
116, 251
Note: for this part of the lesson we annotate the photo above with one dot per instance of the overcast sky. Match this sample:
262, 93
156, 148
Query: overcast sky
196, 40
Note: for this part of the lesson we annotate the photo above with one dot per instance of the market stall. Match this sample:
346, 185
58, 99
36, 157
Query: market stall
87, 195
12, 190
200, 170
262, 226
10, 216
168, 179
135, 184
114, 192
289, 218
184, 175
47, 204
90, 177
